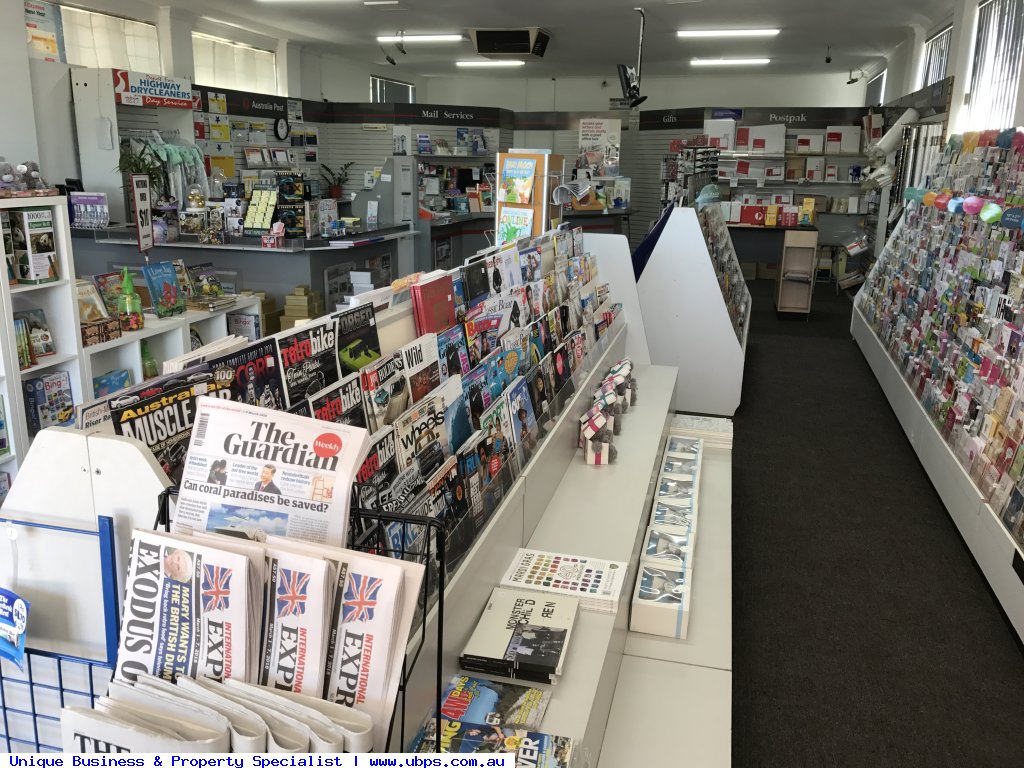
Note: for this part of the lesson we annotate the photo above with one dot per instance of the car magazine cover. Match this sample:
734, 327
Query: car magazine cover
341, 403
252, 375
422, 435
378, 471
297, 603
308, 357
452, 353
252, 472
385, 390
476, 700
160, 413
533, 749
358, 342
420, 358
190, 608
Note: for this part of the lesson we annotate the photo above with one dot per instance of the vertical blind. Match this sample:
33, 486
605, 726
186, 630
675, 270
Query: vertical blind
936, 57
995, 69
101, 41
876, 90
385, 91
223, 64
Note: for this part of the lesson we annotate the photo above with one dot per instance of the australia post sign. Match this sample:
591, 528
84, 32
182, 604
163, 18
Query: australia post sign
136, 89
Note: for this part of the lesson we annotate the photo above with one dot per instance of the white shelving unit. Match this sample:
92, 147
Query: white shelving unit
687, 322
987, 538
58, 301
166, 337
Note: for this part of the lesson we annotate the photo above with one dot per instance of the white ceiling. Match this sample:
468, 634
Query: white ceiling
588, 37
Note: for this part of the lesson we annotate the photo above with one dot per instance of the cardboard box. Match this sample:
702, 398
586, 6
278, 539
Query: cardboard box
853, 204
35, 249
796, 168
790, 216
753, 214
774, 170
110, 328
810, 144
735, 211
721, 133
807, 212
771, 216
742, 137
842, 139
92, 333
815, 169
831, 172
768, 138
873, 126
667, 616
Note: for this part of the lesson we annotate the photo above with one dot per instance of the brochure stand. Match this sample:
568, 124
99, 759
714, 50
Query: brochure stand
687, 322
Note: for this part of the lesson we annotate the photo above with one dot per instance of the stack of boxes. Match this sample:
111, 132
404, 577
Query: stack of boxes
301, 305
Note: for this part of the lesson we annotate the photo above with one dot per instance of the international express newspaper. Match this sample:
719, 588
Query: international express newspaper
253, 472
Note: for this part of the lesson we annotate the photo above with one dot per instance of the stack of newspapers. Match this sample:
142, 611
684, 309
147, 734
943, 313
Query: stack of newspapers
251, 596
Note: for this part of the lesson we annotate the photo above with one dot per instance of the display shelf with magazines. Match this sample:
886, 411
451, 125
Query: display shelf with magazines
40, 341
938, 321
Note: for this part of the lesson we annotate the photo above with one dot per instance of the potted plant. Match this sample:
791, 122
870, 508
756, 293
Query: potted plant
143, 161
335, 179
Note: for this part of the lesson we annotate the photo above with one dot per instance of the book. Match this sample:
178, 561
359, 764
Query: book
531, 748
524, 422
433, 304
90, 304
517, 174
476, 700
385, 390
184, 280
206, 284
108, 285
513, 223
39, 337
49, 401
522, 635
162, 281
111, 382
245, 324
341, 403
251, 374
308, 358
452, 353
597, 583
358, 342
254, 472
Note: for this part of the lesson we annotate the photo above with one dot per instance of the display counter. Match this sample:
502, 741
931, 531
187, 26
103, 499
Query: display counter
761, 245
273, 270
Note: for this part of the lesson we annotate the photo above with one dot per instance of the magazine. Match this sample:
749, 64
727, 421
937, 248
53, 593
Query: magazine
191, 608
453, 356
490, 320
160, 413
358, 342
475, 700
162, 281
341, 403
422, 368
252, 472
309, 360
533, 749
422, 439
385, 390
378, 471
252, 375
524, 422
513, 224
517, 180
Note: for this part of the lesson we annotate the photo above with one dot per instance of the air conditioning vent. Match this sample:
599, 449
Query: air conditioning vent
497, 43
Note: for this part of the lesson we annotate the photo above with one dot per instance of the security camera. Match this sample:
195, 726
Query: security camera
855, 79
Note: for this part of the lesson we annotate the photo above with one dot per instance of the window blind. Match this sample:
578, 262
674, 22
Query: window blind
386, 91
995, 69
101, 41
224, 64
936, 57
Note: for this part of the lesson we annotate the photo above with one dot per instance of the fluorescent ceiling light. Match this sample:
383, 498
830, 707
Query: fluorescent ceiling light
727, 62
727, 32
380, 2
420, 38
490, 63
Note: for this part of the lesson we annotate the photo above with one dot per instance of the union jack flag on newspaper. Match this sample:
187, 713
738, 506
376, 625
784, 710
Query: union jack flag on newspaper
291, 592
216, 588
360, 597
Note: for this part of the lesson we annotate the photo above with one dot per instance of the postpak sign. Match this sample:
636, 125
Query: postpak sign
137, 89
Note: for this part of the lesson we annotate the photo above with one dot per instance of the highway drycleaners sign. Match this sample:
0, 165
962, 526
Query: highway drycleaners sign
137, 89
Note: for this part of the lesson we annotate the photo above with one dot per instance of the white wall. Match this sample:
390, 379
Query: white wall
17, 118
702, 90
335, 78
55, 120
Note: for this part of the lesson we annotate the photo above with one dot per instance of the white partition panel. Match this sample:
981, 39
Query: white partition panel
615, 267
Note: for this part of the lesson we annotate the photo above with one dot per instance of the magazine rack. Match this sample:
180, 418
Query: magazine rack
31, 700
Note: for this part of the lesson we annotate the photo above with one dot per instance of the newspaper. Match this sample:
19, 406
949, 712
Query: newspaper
251, 472
116, 727
190, 608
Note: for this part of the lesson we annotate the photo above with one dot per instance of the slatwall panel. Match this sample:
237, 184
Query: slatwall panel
447, 132
347, 142
642, 152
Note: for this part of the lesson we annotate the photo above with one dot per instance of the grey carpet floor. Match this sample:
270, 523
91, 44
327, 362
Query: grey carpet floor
863, 632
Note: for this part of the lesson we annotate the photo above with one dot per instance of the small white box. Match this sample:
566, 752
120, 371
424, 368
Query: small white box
843, 139
853, 204
723, 130
807, 143
815, 169
661, 601
768, 138
735, 210
831, 172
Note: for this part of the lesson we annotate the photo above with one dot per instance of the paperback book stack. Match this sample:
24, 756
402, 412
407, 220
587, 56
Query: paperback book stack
661, 598
522, 635
945, 299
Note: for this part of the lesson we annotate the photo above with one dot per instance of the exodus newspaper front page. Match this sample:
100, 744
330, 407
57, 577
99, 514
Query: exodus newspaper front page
251, 472
191, 609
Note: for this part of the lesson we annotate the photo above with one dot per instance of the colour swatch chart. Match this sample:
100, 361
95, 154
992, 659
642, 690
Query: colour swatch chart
597, 583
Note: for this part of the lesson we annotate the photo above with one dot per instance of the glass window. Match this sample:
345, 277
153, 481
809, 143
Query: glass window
876, 90
995, 66
386, 91
936, 57
224, 64
101, 41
